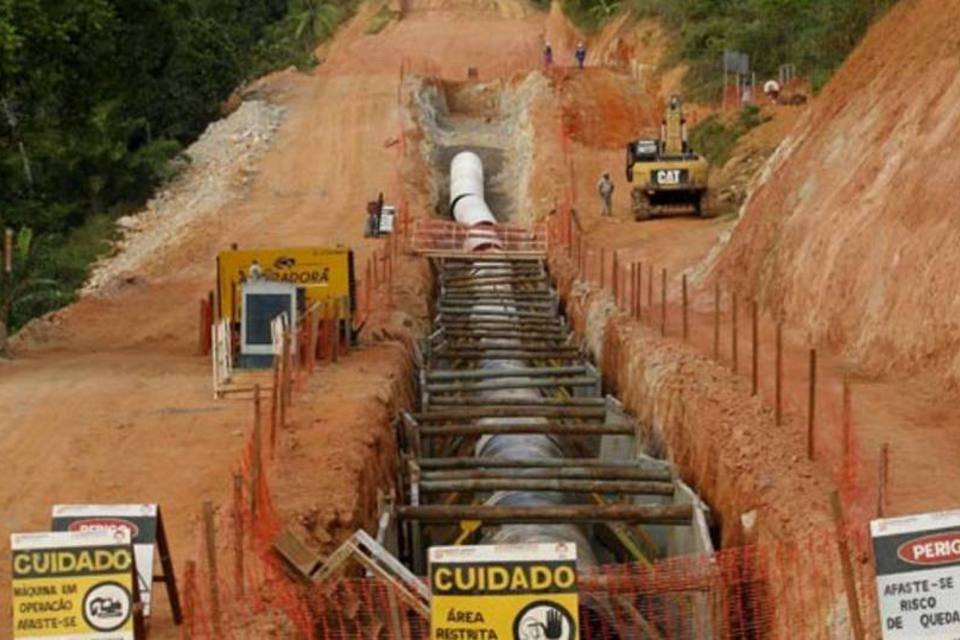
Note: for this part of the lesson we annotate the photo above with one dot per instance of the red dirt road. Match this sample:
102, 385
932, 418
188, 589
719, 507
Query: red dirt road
111, 404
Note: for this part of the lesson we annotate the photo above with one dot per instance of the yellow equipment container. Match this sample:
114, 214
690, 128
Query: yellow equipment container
322, 274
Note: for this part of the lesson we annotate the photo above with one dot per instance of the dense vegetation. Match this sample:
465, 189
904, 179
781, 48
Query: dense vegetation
814, 35
97, 96
717, 136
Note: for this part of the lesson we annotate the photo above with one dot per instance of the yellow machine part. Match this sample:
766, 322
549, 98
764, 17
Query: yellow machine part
673, 140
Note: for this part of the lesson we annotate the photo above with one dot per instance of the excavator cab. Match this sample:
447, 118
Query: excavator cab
671, 178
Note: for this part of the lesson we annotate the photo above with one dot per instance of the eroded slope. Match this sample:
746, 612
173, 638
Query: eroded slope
853, 232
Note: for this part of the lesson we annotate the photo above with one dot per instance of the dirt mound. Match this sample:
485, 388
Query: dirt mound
853, 233
601, 110
630, 43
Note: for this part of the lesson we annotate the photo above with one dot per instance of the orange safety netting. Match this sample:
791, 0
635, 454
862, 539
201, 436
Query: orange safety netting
794, 589
427, 236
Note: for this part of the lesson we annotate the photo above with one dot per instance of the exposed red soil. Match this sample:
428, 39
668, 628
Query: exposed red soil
719, 440
339, 428
725, 442
812, 252
601, 110
852, 235
109, 402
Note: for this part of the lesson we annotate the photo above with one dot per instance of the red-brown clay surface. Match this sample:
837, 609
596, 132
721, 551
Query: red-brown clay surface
853, 234
718, 434
827, 242
110, 402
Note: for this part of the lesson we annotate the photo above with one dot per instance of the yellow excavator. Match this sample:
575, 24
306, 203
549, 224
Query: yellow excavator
671, 177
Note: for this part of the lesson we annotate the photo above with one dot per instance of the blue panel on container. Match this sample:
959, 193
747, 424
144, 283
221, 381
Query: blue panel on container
262, 309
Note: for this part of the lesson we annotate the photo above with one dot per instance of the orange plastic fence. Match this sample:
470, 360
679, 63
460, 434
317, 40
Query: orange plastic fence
790, 590
719, 323
794, 589
428, 236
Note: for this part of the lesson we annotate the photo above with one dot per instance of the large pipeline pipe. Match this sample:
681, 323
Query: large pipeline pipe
467, 204
470, 209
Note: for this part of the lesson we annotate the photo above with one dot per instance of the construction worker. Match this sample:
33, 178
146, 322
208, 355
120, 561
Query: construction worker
255, 273
746, 92
605, 189
547, 55
581, 54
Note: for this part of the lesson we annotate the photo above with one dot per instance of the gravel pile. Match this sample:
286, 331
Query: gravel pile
222, 163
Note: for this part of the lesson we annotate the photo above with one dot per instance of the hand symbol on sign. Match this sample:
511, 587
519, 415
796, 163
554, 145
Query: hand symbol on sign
553, 630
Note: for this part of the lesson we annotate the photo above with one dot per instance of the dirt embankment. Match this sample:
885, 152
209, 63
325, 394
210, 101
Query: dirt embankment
724, 441
108, 401
753, 473
853, 233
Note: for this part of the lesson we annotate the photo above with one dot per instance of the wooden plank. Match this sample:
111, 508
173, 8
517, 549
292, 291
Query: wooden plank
633, 487
446, 310
501, 256
520, 428
519, 372
520, 411
491, 343
560, 473
488, 514
506, 354
473, 401
512, 384
554, 337
300, 557
548, 463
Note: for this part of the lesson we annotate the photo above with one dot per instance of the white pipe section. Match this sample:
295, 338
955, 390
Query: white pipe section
466, 191
469, 208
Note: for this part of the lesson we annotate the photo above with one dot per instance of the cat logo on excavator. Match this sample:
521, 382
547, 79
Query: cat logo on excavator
672, 177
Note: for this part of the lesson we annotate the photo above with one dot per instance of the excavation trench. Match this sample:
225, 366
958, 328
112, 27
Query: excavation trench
513, 440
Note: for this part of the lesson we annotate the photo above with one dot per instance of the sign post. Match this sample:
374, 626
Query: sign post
144, 525
74, 586
918, 575
522, 592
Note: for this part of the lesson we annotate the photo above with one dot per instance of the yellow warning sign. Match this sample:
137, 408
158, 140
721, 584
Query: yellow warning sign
324, 274
504, 592
71, 585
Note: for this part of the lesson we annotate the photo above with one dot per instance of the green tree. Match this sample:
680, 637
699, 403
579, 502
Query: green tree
316, 19
21, 287
97, 96
815, 35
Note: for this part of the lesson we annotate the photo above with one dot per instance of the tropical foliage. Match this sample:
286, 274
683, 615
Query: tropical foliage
814, 35
96, 97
